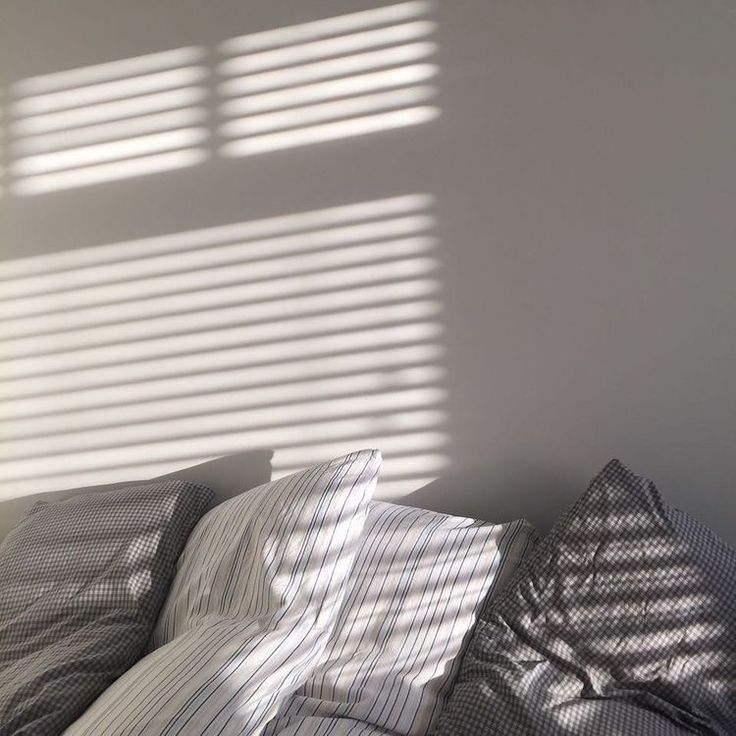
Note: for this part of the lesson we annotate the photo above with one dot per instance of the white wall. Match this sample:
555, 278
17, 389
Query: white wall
582, 173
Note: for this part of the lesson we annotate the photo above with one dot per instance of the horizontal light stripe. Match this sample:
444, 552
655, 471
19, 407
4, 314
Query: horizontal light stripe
260, 255
140, 469
106, 111
340, 45
100, 152
85, 404
48, 380
165, 351
325, 27
110, 172
264, 295
109, 70
300, 116
353, 265
106, 91
106, 131
215, 445
222, 421
329, 131
210, 319
213, 399
320, 91
192, 239
340, 67
270, 332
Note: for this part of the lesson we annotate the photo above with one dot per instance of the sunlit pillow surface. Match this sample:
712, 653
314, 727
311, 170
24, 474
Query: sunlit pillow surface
418, 583
256, 594
622, 622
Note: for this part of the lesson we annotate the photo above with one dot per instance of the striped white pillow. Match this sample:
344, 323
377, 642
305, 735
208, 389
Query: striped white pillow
416, 588
255, 596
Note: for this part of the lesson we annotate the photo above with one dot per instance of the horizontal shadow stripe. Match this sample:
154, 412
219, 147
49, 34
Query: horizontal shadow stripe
214, 445
265, 259
308, 94
267, 295
72, 159
299, 55
329, 131
278, 394
263, 356
109, 111
107, 91
266, 380
300, 222
108, 70
100, 173
245, 316
325, 27
302, 116
263, 334
219, 420
116, 130
252, 83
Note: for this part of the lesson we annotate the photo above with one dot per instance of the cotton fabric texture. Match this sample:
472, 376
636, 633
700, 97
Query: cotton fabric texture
256, 593
418, 583
623, 621
81, 585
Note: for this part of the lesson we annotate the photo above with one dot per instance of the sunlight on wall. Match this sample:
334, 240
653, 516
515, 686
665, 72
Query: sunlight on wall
109, 121
336, 78
311, 334
2, 147
325, 80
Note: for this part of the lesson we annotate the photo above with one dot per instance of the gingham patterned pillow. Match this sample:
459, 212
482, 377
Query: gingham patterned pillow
621, 622
81, 583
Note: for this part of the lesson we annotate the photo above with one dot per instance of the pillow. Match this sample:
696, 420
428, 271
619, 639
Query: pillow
623, 621
256, 594
417, 584
81, 584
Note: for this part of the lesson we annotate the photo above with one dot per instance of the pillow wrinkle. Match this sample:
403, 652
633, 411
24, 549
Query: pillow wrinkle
639, 631
256, 590
84, 613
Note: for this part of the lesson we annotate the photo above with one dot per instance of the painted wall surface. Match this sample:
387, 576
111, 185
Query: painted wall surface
496, 238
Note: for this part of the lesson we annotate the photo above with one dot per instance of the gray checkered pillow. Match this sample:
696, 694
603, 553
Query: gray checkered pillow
622, 622
81, 583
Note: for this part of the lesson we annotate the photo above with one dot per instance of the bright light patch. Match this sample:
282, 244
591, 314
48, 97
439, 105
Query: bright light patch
343, 77
310, 334
356, 74
117, 120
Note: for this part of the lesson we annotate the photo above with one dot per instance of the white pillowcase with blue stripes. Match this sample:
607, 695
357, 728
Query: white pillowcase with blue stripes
256, 594
416, 588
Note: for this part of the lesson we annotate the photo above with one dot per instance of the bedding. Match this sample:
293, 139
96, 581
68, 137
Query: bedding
622, 621
81, 584
417, 584
256, 593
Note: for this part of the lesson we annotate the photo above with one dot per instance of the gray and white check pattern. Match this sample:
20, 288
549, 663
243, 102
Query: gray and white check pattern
621, 622
81, 584
415, 590
253, 603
